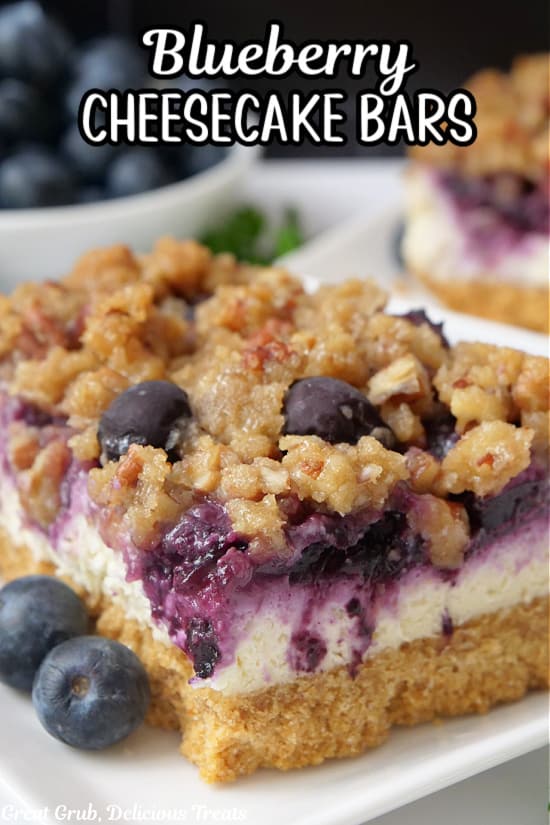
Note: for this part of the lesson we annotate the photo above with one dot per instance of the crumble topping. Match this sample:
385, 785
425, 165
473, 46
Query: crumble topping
235, 338
446, 528
512, 124
344, 477
483, 382
485, 459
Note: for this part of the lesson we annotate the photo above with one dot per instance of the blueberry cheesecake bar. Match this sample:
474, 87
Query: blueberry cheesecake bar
311, 519
477, 219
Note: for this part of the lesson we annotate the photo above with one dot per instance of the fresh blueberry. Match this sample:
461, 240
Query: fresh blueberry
152, 412
112, 62
33, 47
106, 63
91, 692
91, 194
36, 614
35, 177
137, 170
333, 410
198, 159
89, 162
24, 112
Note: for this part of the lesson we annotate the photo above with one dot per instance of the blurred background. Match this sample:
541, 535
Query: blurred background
53, 51
450, 40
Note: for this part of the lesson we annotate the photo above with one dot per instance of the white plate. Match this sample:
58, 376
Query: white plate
147, 772
364, 247
146, 775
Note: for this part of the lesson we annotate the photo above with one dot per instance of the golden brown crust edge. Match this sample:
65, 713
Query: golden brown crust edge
522, 306
493, 659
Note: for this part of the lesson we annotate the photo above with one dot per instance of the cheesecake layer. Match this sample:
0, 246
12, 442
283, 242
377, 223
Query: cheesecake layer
277, 627
494, 658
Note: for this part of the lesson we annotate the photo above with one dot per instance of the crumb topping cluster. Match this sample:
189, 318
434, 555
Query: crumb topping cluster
512, 124
235, 338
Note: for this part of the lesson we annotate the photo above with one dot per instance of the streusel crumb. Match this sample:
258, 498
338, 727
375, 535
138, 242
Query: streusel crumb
236, 338
511, 120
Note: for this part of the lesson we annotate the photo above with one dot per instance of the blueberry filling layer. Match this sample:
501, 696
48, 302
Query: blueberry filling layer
516, 202
523, 499
201, 569
203, 584
384, 551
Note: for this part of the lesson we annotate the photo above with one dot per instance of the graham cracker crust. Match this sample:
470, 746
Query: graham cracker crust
523, 306
495, 658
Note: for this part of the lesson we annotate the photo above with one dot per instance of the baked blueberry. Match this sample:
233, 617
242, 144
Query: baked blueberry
419, 317
201, 644
35, 177
137, 170
24, 112
33, 47
441, 435
36, 614
88, 162
153, 412
91, 692
333, 410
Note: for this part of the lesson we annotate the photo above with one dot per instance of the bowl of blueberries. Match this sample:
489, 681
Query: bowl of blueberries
60, 196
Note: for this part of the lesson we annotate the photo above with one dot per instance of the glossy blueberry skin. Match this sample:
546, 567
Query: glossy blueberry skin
106, 63
33, 47
111, 61
137, 170
331, 409
147, 413
36, 614
91, 692
91, 194
87, 161
35, 177
198, 159
24, 112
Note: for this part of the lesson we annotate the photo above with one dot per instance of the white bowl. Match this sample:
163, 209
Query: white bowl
37, 244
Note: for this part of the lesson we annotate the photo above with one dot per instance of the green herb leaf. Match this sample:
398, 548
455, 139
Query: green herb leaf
239, 234
246, 235
289, 236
